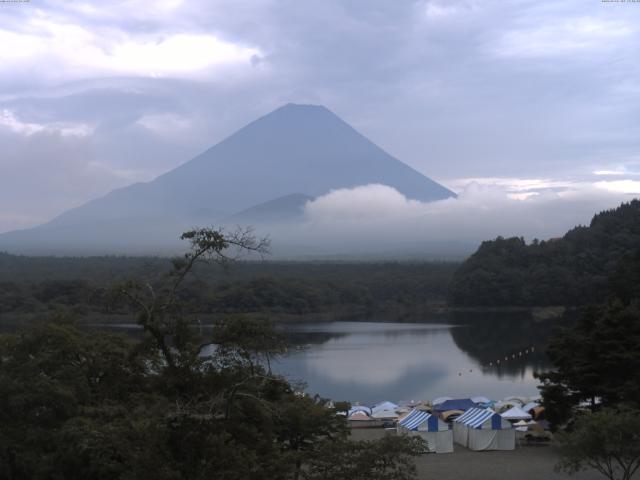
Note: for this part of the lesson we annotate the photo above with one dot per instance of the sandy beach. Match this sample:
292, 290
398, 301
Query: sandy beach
524, 463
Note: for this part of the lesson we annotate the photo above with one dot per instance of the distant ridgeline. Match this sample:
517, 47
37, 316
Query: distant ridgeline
85, 285
585, 266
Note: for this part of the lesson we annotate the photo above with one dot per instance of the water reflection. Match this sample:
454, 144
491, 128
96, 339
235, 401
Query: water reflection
368, 362
503, 344
372, 361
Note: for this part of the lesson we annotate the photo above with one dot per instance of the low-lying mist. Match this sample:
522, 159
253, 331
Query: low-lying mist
377, 220
368, 222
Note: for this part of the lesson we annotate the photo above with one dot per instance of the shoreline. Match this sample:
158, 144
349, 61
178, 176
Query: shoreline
408, 315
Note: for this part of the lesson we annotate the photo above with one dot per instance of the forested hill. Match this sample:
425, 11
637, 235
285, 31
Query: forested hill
572, 270
85, 286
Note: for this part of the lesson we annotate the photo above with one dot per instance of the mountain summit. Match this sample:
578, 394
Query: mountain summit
296, 149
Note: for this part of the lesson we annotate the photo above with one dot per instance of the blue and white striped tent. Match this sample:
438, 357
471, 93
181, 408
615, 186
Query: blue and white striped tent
431, 428
418, 418
476, 417
483, 429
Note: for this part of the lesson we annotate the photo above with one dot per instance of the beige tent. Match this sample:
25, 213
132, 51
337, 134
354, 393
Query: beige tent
450, 414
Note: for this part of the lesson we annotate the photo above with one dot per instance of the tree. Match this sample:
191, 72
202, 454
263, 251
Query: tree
158, 305
305, 422
50, 376
343, 407
625, 282
390, 458
79, 404
597, 361
607, 441
568, 271
252, 340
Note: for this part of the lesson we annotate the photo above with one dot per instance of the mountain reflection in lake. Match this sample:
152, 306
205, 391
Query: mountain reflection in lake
372, 361
369, 362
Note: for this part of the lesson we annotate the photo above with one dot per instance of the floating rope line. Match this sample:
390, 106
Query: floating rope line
501, 361
513, 356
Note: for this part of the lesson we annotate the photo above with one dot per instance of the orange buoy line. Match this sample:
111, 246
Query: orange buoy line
513, 356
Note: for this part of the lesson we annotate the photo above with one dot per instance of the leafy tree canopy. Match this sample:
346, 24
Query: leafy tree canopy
571, 271
596, 362
78, 404
607, 441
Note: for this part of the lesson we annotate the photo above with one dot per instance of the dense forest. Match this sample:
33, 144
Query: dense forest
85, 286
79, 405
576, 269
596, 355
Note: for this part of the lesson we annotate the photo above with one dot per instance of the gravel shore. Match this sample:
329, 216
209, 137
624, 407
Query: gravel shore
524, 463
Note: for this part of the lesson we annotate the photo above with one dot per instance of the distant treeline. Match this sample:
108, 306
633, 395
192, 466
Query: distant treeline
580, 268
86, 285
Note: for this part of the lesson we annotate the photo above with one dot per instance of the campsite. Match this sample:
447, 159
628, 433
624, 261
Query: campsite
476, 423
478, 443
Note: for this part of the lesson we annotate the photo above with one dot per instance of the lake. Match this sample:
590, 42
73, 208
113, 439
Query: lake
369, 362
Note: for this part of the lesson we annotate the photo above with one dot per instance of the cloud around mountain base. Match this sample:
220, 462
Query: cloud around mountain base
377, 218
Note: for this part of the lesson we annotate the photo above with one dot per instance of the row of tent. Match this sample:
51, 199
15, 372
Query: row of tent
477, 429
475, 423
528, 405
448, 409
384, 410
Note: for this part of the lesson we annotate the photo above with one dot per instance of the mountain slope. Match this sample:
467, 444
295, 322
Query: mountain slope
287, 209
296, 148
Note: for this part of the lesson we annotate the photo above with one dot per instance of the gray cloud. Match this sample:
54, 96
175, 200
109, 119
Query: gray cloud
456, 89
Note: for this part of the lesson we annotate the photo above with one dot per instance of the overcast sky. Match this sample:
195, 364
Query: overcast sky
529, 96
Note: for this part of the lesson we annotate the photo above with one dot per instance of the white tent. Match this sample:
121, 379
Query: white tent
385, 414
359, 416
530, 406
359, 408
504, 405
516, 413
434, 431
480, 399
439, 400
524, 423
483, 429
384, 410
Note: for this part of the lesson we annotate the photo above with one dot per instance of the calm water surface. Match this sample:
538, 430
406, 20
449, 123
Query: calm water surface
369, 362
